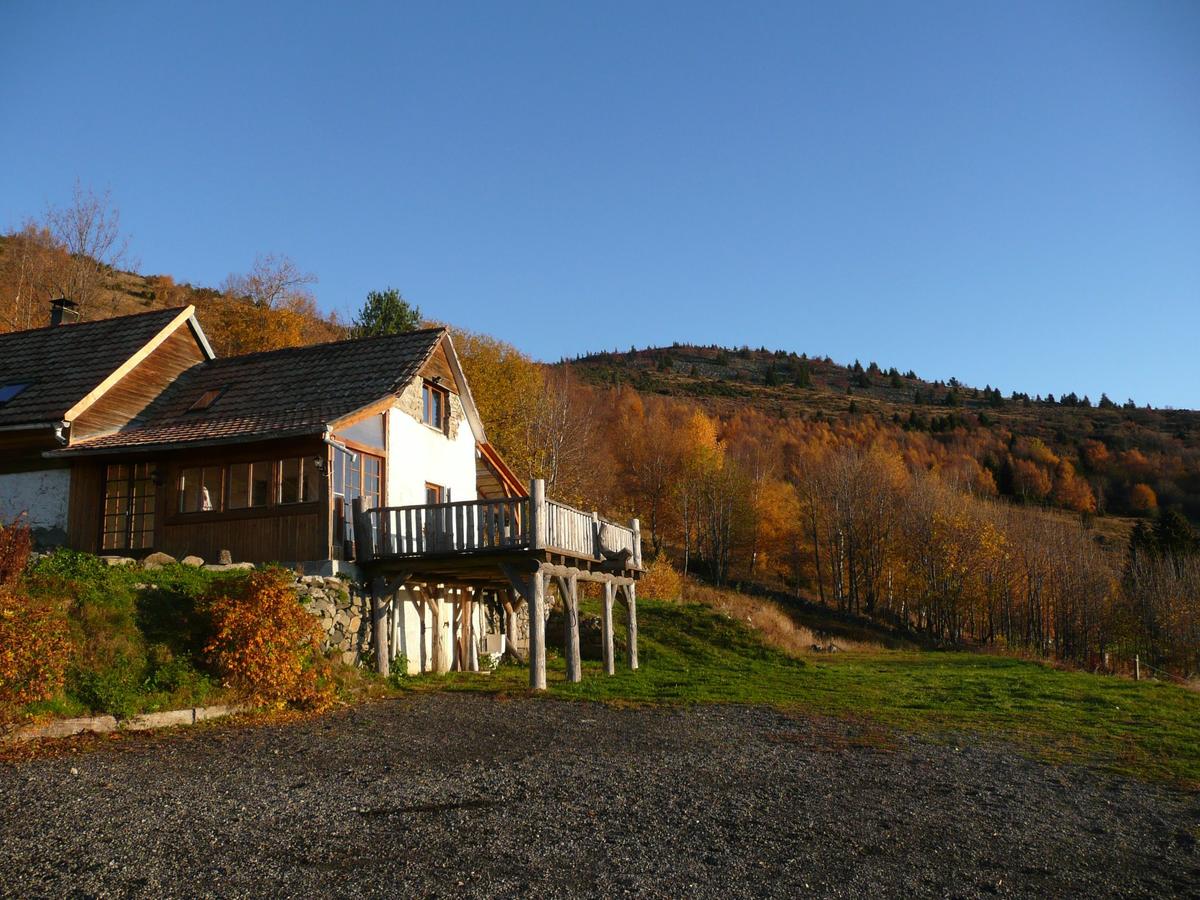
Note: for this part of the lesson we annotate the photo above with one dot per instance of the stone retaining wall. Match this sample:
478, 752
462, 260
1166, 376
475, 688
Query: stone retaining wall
344, 611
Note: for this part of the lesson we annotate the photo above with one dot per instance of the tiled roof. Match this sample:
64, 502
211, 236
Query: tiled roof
276, 393
62, 364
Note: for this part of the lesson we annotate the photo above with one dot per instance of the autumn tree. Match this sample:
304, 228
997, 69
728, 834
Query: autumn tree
88, 230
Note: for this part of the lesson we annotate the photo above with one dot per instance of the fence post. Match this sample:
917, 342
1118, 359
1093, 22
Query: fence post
537, 509
1137, 667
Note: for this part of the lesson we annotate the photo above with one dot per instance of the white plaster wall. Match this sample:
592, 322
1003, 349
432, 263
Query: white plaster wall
418, 453
42, 495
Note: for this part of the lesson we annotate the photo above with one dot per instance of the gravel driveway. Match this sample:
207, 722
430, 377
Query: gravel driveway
467, 795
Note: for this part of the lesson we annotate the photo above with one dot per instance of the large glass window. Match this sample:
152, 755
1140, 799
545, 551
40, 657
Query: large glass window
128, 507
250, 484
354, 475
200, 489
298, 480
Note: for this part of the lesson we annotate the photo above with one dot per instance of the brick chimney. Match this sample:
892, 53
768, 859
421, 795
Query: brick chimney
63, 311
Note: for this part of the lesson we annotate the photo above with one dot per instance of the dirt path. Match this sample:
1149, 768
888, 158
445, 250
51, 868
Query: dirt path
467, 795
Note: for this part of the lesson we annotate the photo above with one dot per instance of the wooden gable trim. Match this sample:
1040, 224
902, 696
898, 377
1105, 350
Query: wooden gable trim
464, 391
363, 412
507, 478
201, 337
130, 364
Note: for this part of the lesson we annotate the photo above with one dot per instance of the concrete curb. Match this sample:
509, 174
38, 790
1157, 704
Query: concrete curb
101, 724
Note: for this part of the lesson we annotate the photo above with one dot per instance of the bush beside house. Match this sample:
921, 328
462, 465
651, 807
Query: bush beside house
81, 635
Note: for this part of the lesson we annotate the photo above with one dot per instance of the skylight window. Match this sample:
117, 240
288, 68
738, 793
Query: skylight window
205, 400
8, 391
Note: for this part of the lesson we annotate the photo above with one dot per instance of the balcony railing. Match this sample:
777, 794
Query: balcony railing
485, 526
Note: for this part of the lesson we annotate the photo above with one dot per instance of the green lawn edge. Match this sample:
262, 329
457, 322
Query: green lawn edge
690, 654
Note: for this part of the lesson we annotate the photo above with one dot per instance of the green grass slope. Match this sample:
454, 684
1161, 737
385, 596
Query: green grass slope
691, 654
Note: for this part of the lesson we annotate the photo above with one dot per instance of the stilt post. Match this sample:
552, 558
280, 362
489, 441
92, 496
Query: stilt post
631, 612
637, 543
571, 629
379, 630
609, 666
537, 632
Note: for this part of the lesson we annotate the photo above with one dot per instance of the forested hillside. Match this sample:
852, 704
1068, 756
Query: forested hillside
1056, 526
1069, 452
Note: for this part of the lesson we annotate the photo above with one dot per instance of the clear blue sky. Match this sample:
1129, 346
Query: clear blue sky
1003, 192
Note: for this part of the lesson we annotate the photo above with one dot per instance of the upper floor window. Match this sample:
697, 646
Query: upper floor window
435, 405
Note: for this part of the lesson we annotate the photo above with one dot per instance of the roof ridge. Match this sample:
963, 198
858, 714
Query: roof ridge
146, 312
353, 340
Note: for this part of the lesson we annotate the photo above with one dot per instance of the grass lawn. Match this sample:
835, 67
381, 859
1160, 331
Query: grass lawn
691, 654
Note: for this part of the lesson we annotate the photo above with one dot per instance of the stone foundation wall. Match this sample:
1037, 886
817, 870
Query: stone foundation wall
344, 611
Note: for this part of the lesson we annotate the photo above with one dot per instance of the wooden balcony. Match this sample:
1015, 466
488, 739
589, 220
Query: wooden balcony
487, 527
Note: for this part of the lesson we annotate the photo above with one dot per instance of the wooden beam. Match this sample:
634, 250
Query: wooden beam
609, 666
521, 582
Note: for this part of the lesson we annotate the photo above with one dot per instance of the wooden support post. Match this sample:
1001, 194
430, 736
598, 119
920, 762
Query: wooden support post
631, 618
441, 659
637, 543
537, 632
1137, 667
510, 626
537, 508
423, 629
470, 660
472, 635
609, 666
569, 588
379, 632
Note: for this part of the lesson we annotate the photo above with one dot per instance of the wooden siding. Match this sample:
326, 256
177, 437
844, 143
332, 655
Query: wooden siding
292, 533
439, 366
132, 394
274, 536
85, 504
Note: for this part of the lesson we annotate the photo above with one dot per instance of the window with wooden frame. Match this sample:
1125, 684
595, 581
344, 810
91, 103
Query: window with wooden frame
355, 475
434, 493
200, 489
435, 405
299, 481
128, 522
250, 484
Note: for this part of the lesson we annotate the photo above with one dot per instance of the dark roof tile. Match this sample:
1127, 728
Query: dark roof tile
277, 393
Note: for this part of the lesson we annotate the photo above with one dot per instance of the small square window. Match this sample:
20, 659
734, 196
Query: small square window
205, 400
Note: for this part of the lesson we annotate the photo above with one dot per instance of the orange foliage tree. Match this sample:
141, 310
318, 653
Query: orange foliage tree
265, 645
34, 647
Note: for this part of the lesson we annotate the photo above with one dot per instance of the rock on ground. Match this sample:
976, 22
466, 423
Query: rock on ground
459, 795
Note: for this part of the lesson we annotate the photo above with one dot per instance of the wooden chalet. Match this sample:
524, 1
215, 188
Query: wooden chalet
364, 458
